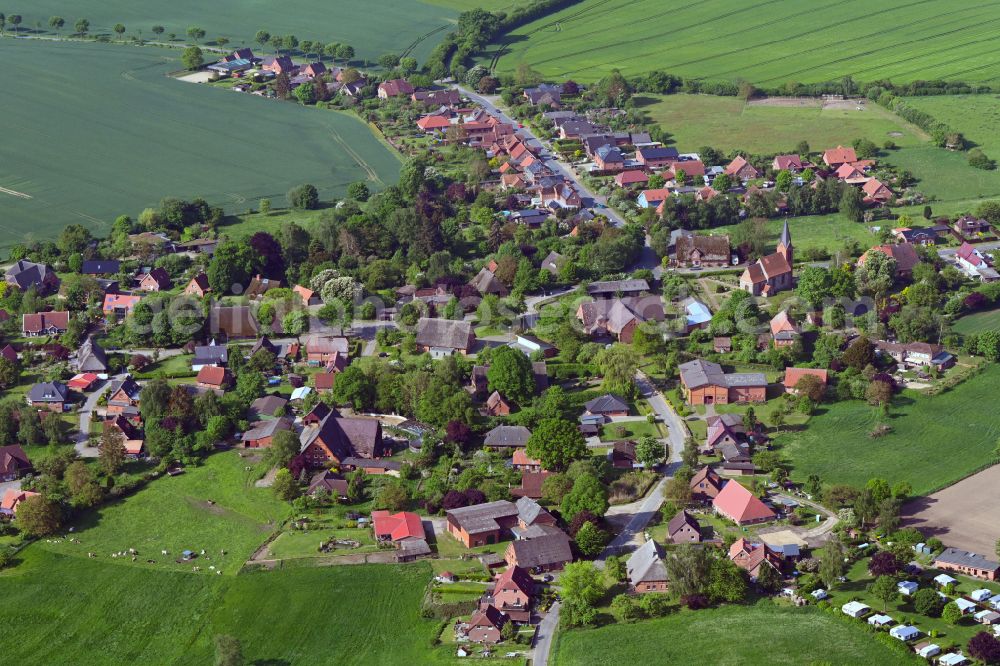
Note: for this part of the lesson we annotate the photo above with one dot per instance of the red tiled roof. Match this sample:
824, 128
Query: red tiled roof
212, 375
398, 526
631, 178
36, 323
740, 505
521, 458
793, 375
839, 155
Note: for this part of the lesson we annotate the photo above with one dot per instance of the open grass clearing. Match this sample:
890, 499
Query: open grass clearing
830, 233
977, 322
922, 448
213, 507
93, 131
66, 610
766, 43
612, 432
390, 27
765, 633
728, 123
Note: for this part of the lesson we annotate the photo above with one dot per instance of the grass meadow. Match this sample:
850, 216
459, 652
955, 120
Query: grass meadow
728, 123
392, 26
68, 610
977, 322
766, 42
822, 232
729, 635
213, 507
93, 131
922, 448
63, 607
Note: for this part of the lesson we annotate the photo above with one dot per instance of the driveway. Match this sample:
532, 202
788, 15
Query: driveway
543, 637
677, 431
557, 166
9, 485
86, 415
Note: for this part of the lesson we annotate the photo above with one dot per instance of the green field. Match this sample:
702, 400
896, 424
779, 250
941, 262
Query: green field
824, 232
729, 635
728, 123
922, 448
976, 116
94, 131
392, 26
214, 507
987, 320
67, 610
766, 42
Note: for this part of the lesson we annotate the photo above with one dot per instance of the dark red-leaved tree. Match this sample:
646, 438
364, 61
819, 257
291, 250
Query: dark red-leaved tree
270, 251
883, 563
581, 518
695, 601
985, 647
457, 432
475, 496
454, 499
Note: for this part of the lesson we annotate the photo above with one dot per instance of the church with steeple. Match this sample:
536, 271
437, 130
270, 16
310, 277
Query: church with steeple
773, 273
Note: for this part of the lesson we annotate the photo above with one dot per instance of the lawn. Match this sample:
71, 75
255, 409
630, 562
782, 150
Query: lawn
922, 448
300, 543
728, 123
93, 131
70, 610
612, 432
766, 43
759, 634
396, 26
213, 508
977, 322
822, 232
172, 366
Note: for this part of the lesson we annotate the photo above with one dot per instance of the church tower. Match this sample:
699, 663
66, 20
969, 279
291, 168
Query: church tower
785, 244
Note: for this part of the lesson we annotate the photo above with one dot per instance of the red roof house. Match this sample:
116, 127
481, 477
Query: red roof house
82, 382
214, 377
793, 375
14, 462
11, 498
630, 178
397, 526
45, 323
876, 191
742, 169
394, 88
741, 506
834, 157
787, 163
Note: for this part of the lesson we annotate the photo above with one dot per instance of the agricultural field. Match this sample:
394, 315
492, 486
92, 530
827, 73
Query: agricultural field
764, 633
213, 507
770, 126
977, 322
94, 131
60, 609
921, 449
767, 43
962, 515
405, 27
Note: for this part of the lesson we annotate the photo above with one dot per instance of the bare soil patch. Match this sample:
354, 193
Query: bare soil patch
964, 515
788, 102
